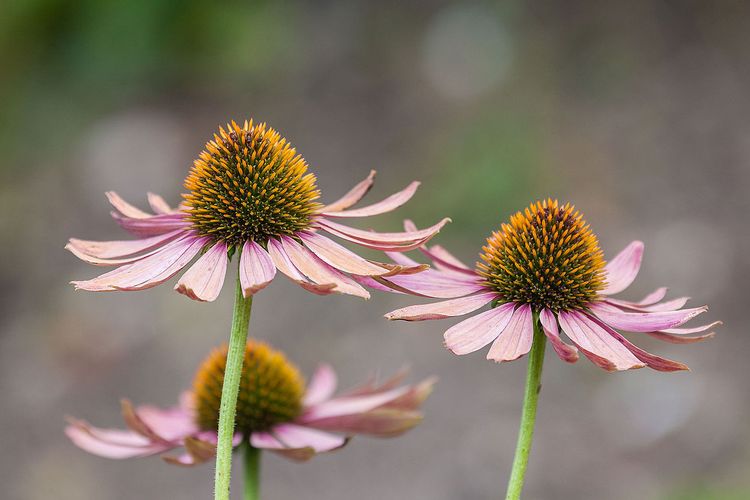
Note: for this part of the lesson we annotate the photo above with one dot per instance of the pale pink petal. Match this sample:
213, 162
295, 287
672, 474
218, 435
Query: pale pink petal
353, 196
651, 298
340, 257
204, 279
476, 332
644, 321
291, 437
376, 285
516, 338
126, 208
158, 205
154, 225
444, 309
118, 249
387, 205
372, 237
170, 424
549, 323
414, 397
284, 264
257, 269
433, 284
381, 422
695, 329
679, 339
149, 271
197, 451
653, 361
318, 271
669, 305
112, 262
112, 443
321, 386
591, 338
350, 405
622, 270
402, 259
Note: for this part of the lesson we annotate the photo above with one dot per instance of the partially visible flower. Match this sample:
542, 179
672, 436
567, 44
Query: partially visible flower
248, 192
547, 262
274, 412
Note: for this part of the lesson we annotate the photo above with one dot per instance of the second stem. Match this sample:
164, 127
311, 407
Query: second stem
229, 392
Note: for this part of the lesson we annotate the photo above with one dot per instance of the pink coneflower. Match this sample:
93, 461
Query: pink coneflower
274, 412
547, 263
249, 192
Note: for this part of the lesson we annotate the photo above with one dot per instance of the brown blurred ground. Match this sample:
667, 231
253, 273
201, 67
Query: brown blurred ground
638, 112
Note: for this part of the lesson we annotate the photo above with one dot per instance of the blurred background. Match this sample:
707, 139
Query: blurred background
638, 112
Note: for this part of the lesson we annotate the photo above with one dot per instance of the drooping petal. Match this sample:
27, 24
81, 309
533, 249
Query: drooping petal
622, 270
119, 249
644, 321
444, 309
284, 264
125, 208
318, 271
158, 205
441, 258
695, 329
387, 205
295, 441
679, 339
321, 386
204, 279
669, 305
197, 451
401, 242
257, 269
147, 272
516, 338
381, 422
112, 443
650, 299
434, 284
153, 225
170, 424
652, 360
350, 405
476, 332
340, 257
590, 338
564, 351
353, 196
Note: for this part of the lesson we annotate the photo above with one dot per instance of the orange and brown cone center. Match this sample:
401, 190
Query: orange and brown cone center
249, 184
545, 256
271, 389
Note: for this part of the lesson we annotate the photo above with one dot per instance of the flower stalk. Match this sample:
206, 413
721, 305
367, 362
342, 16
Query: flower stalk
528, 416
229, 392
252, 473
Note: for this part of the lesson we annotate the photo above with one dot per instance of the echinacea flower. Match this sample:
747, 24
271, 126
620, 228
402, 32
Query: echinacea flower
546, 263
275, 412
249, 192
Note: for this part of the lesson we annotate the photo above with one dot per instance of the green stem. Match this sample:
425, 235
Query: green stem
229, 391
252, 469
528, 417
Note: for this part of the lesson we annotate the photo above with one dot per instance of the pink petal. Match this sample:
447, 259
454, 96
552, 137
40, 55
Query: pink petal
318, 271
118, 249
257, 269
696, 329
197, 451
351, 405
381, 422
414, 397
444, 309
291, 437
111, 443
593, 339
644, 321
442, 258
149, 271
679, 339
204, 279
170, 424
564, 351
321, 386
653, 361
284, 264
476, 332
401, 238
125, 208
670, 305
516, 338
158, 205
340, 257
435, 284
154, 225
353, 196
387, 205
622, 270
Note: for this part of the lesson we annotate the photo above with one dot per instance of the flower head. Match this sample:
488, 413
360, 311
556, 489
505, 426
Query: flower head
546, 265
274, 411
249, 193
